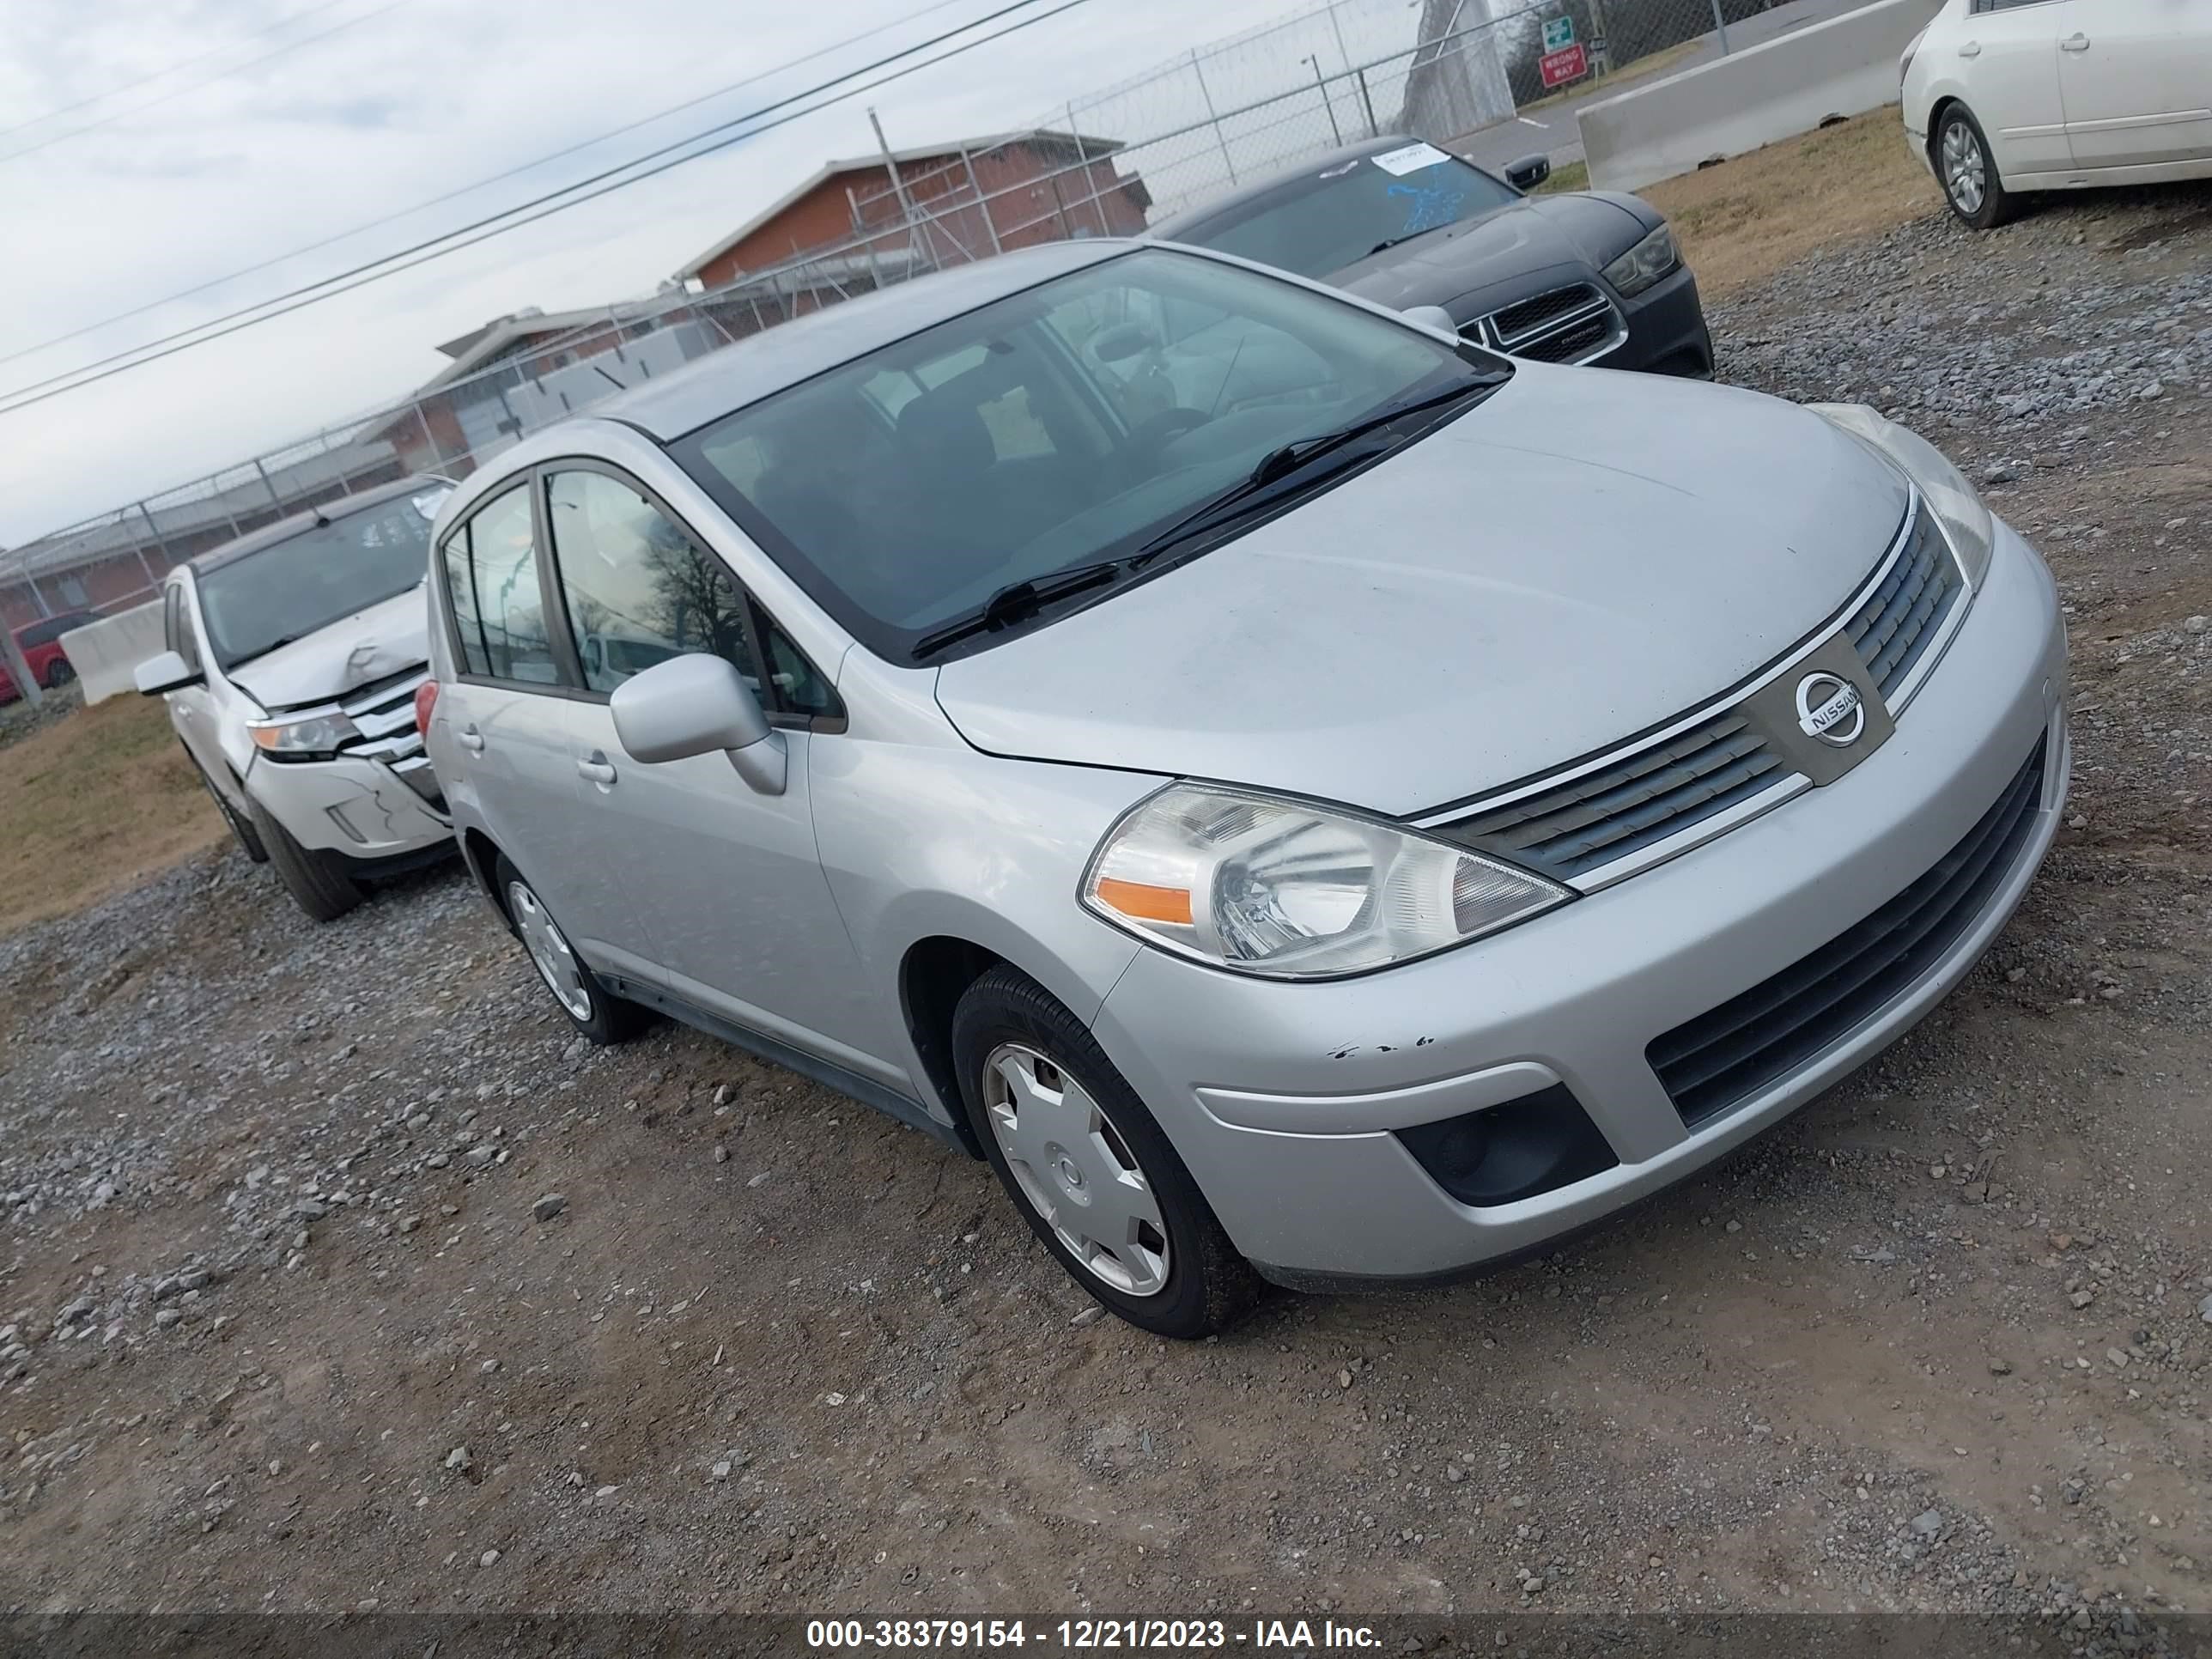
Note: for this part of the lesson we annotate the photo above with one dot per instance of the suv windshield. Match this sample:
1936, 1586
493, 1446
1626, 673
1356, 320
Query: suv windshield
291, 588
1049, 431
1319, 225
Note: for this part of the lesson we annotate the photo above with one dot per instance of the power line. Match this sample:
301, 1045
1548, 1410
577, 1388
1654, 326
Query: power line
376, 271
464, 189
290, 46
161, 74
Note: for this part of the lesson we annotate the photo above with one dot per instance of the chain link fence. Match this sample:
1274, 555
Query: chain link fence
1108, 164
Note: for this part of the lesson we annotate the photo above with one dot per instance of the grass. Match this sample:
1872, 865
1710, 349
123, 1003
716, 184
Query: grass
1753, 213
93, 805
1574, 175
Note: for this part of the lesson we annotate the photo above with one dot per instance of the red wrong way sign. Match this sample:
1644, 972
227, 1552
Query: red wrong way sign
1568, 63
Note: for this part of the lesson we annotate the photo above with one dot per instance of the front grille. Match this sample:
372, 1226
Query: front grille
1567, 324
1570, 345
1902, 617
1631, 802
1753, 1040
1528, 315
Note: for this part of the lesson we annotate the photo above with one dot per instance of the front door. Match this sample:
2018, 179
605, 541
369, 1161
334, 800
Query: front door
723, 881
2137, 78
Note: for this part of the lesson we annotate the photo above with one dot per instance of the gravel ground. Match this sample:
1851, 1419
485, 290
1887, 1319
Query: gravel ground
334, 1273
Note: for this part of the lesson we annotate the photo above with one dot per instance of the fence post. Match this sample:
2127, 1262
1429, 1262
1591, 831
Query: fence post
990, 225
1213, 115
1720, 23
1367, 102
277, 500
1326, 102
159, 541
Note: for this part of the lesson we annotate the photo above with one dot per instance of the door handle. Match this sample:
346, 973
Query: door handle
1972, 49
598, 769
472, 739
2074, 43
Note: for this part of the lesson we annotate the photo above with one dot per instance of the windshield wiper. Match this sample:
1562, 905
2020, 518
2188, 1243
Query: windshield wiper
1281, 463
1019, 601
1389, 242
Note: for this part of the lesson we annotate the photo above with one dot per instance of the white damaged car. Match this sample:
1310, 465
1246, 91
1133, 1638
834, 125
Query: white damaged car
292, 655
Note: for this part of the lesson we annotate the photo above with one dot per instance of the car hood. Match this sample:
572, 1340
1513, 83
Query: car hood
369, 645
1574, 560
1509, 249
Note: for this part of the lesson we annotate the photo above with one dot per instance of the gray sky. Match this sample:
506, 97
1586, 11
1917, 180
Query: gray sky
182, 182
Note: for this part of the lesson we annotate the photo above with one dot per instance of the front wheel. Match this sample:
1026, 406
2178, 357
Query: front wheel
319, 882
1088, 1166
1969, 172
59, 673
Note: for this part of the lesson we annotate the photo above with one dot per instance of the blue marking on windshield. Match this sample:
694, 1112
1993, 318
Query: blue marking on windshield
1428, 206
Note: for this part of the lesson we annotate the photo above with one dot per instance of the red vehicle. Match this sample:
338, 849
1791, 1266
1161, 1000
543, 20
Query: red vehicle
42, 652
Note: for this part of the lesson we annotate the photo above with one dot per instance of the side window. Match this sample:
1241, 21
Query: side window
177, 628
639, 590
491, 570
798, 690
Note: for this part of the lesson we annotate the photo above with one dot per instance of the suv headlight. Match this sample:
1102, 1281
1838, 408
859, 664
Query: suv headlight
314, 737
1955, 503
1287, 890
1644, 263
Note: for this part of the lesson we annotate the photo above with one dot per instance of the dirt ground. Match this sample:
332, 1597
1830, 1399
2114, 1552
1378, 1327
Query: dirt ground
282, 1331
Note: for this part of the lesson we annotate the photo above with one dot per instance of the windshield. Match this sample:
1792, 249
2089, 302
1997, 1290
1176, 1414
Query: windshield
291, 588
1048, 431
1338, 217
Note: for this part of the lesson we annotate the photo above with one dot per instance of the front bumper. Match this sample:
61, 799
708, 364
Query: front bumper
1281, 1097
1666, 331
355, 806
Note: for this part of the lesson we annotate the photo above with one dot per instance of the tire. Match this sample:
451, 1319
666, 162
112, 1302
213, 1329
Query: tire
1165, 1265
248, 838
59, 673
598, 1014
1968, 172
319, 882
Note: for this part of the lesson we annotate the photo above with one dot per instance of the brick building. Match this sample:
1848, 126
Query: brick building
972, 198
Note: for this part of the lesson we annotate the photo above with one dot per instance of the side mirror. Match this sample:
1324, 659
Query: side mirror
695, 705
165, 672
1434, 317
1528, 172
1122, 342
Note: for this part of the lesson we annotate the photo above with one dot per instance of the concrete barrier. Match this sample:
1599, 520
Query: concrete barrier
1845, 66
105, 652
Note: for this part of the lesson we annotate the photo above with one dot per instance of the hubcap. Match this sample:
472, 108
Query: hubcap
1075, 1170
1963, 173
557, 963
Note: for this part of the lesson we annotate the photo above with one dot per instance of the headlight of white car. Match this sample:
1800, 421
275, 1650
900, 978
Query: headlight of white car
1288, 890
316, 737
1644, 263
1955, 503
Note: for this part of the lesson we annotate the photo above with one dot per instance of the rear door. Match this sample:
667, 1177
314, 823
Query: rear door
2137, 79
2007, 64
512, 709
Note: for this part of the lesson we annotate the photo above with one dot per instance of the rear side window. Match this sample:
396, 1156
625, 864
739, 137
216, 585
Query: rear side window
499, 612
638, 591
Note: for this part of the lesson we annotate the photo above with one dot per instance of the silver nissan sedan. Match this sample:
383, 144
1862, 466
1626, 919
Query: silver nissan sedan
1306, 798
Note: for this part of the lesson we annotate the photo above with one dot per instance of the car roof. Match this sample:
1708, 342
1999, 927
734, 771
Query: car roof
762, 364
296, 524
1282, 181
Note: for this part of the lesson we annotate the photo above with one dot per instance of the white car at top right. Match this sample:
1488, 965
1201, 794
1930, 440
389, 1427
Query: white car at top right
2003, 97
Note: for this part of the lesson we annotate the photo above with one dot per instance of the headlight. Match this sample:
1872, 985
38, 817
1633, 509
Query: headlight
316, 737
1954, 502
1644, 263
1287, 891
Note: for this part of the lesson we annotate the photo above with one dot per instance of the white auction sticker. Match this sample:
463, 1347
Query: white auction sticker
1409, 158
